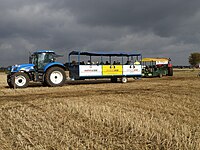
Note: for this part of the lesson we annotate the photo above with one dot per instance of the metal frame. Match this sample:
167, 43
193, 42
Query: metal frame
75, 70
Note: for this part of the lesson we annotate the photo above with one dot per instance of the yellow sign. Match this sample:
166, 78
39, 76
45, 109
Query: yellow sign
112, 70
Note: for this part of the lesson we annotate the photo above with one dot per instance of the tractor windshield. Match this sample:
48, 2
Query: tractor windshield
42, 59
33, 59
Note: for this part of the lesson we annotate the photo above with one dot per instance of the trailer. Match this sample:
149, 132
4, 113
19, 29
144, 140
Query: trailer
115, 66
156, 67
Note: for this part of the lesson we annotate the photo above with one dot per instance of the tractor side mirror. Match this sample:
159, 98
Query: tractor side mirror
30, 59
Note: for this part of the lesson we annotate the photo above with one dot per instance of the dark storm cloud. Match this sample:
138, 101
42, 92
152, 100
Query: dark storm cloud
161, 16
157, 28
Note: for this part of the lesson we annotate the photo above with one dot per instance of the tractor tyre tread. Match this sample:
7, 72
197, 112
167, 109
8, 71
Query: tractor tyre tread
12, 83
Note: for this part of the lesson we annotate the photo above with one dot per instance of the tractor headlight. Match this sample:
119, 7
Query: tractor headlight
14, 68
8, 69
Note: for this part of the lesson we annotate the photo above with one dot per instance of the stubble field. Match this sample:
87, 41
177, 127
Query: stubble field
156, 113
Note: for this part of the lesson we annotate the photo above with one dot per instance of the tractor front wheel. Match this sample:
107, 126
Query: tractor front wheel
18, 80
160, 75
55, 77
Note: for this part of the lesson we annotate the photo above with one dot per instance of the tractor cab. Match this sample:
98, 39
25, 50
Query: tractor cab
41, 58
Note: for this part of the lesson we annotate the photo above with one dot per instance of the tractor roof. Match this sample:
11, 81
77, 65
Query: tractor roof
44, 51
47, 51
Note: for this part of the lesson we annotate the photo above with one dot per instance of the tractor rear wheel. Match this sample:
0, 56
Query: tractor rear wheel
18, 80
170, 71
55, 77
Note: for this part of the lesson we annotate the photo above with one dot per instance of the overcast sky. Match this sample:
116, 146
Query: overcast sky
155, 28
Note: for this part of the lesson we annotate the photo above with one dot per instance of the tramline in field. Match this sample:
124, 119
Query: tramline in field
43, 68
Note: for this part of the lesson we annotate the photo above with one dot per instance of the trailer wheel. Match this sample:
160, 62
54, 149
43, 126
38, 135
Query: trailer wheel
55, 77
44, 84
124, 79
113, 80
18, 80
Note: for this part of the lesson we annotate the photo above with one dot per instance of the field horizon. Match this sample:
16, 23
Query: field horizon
151, 113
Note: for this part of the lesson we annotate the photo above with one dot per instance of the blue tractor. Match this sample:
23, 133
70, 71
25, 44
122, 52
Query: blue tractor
42, 68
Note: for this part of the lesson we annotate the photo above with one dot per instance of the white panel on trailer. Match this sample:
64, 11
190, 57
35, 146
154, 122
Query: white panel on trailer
90, 70
137, 70
132, 70
128, 70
